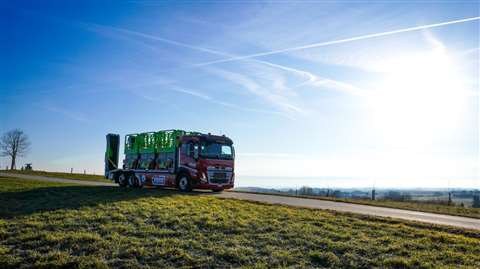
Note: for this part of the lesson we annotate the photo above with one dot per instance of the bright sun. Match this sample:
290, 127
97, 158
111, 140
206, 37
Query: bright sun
420, 99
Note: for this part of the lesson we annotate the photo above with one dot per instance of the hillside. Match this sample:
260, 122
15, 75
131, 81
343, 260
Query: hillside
58, 225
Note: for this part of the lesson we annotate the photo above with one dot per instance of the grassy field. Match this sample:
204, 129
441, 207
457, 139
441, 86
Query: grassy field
417, 206
410, 205
52, 225
87, 177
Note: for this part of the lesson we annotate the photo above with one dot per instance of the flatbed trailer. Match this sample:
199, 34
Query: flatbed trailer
172, 158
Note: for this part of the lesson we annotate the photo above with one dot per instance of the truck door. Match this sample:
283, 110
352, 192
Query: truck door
111, 153
189, 157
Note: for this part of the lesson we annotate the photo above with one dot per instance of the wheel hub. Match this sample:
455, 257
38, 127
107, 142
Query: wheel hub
183, 182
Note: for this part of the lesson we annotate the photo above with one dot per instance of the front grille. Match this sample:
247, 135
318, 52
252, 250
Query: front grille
219, 176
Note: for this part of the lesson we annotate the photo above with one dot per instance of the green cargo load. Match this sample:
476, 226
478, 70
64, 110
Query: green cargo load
153, 142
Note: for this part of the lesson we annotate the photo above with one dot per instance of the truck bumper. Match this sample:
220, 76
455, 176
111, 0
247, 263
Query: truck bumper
208, 186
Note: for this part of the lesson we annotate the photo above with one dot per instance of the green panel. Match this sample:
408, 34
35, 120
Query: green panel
131, 144
165, 141
146, 142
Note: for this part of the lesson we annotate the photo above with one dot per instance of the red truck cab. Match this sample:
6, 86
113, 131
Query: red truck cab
206, 162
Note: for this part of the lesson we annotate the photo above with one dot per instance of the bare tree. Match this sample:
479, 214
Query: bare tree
15, 144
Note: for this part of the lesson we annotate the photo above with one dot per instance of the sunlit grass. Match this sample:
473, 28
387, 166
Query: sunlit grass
56, 225
77, 176
410, 205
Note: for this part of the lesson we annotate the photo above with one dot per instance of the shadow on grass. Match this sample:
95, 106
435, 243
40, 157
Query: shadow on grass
13, 204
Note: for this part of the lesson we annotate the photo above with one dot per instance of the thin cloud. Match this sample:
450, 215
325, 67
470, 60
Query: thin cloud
310, 77
67, 113
193, 93
340, 41
340, 86
253, 87
279, 100
104, 29
239, 79
222, 103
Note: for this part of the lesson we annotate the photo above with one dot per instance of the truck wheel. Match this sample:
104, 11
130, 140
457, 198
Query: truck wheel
139, 182
122, 180
184, 184
132, 181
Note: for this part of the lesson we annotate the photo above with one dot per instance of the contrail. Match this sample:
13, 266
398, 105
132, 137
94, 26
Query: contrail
147, 36
339, 41
310, 77
307, 74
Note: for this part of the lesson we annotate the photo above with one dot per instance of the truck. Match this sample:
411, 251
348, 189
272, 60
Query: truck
173, 159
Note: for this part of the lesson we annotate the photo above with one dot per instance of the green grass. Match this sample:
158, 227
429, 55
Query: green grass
52, 225
409, 205
88, 177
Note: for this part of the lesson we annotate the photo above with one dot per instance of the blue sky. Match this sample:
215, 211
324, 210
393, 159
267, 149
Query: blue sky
340, 94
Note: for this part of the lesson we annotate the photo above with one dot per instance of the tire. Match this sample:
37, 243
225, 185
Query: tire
139, 182
184, 183
122, 180
132, 180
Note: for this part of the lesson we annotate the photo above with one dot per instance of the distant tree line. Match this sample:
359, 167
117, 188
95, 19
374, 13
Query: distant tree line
391, 195
397, 196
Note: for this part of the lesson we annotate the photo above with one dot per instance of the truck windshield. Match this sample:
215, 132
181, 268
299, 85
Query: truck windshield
213, 150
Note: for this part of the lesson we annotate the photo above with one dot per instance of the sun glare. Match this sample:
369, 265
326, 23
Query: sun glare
418, 100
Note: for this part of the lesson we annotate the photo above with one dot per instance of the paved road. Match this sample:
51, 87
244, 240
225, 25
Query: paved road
461, 222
